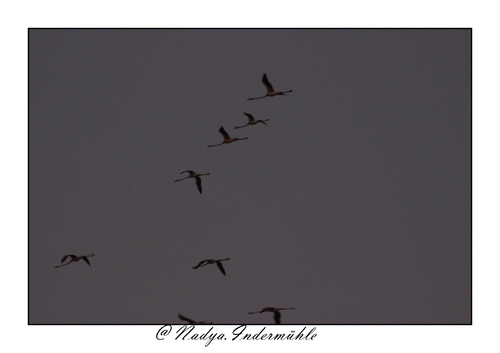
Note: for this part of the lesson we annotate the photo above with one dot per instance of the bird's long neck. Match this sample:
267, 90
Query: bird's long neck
63, 264
251, 99
216, 145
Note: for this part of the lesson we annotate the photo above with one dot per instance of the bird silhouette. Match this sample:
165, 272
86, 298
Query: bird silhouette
194, 322
252, 121
75, 258
193, 175
227, 139
212, 261
276, 311
270, 91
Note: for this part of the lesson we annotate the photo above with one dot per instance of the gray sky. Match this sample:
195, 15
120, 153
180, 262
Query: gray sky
353, 205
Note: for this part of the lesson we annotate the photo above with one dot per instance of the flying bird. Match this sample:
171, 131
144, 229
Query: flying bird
193, 322
276, 311
193, 175
227, 139
212, 261
75, 258
252, 121
270, 91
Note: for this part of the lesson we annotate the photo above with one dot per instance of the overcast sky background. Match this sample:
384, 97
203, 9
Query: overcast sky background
480, 15
353, 205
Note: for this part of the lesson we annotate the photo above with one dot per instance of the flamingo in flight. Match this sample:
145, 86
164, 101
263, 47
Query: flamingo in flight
276, 311
252, 121
212, 261
193, 175
75, 258
270, 91
194, 322
227, 139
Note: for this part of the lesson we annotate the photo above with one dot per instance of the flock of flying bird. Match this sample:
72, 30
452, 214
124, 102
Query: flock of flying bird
226, 139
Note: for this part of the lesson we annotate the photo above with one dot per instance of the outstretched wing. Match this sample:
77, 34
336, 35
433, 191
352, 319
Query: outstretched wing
250, 117
86, 260
221, 268
224, 133
182, 317
266, 82
198, 183
66, 256
199, 264
277, 317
